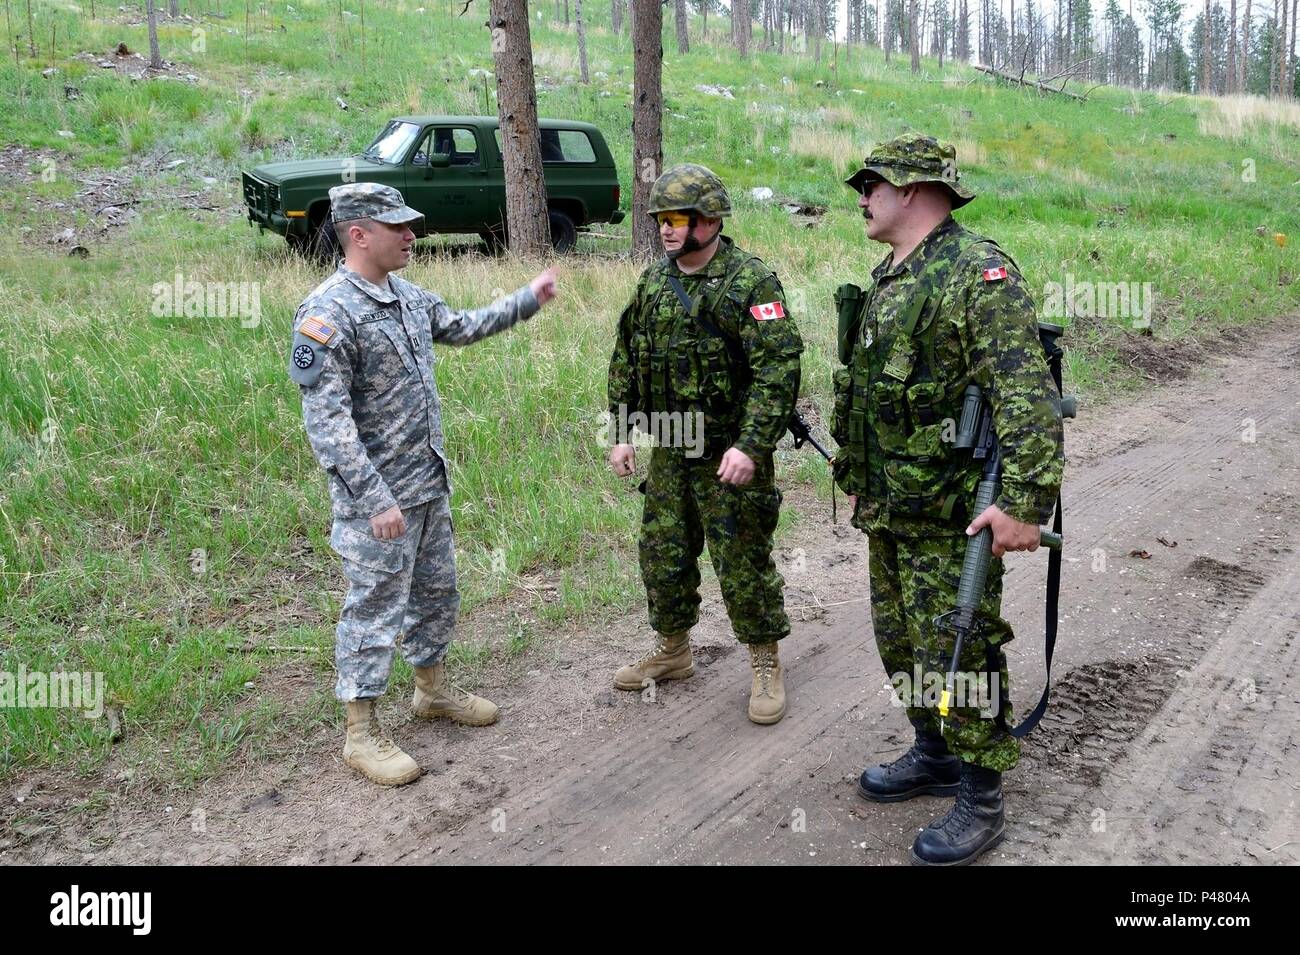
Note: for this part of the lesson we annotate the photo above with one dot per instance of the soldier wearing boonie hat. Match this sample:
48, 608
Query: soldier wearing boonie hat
362, 356
945, 309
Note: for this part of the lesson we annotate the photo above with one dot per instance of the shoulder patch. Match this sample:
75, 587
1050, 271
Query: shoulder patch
767, 311
994, 272
317, 328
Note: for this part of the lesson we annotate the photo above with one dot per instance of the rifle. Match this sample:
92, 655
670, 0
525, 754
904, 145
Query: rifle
975, 433
798, 429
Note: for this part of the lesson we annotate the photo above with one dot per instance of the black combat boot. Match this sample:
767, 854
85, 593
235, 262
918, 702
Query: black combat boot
971, 827
926, 768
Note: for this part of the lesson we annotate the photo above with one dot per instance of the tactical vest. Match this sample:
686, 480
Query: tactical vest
695, 366
897, 411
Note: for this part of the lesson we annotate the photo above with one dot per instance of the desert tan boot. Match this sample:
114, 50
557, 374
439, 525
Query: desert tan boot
668, 659
436, 697
767, 692
371, 753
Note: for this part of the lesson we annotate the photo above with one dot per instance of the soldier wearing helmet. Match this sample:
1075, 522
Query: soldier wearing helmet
706, 361
945, 309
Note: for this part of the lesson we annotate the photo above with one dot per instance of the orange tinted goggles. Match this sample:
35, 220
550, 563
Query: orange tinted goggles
674, 220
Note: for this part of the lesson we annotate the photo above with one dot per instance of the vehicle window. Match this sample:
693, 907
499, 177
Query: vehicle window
575, 146
391, 145
457, 142
561, 145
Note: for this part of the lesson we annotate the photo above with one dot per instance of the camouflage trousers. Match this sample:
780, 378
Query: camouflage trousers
401, 590
913, 580
686, 505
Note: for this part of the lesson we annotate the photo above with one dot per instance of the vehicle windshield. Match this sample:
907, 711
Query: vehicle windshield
391, 145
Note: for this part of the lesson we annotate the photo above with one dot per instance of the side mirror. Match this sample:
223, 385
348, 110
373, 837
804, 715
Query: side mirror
439, 161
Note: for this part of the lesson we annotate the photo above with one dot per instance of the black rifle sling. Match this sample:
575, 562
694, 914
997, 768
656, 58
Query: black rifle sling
1050, 624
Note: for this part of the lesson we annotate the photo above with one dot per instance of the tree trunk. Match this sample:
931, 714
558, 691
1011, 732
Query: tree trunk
1230, 81
1291, 55
912, 38
1244, 67
740, 26
582, 40
817, 31
512, 55
647, 119
155, 56
173, 8
683, 37
616, 16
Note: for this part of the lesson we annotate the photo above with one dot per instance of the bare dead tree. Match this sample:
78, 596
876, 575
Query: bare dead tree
527, 224
582, 40
1230, 82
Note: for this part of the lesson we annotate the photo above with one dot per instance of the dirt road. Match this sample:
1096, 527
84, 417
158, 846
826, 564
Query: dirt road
1172, 736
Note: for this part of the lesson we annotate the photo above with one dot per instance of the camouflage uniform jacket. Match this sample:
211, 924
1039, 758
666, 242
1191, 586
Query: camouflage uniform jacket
362, 356
972, 320
665, 361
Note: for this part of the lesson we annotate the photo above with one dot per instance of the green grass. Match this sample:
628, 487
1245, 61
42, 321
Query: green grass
160, 511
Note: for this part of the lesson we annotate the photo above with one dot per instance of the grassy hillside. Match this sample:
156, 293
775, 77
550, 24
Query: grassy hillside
163, 521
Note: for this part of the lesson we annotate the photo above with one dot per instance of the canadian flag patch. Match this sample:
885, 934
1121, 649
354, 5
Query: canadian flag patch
995, 275
765, 313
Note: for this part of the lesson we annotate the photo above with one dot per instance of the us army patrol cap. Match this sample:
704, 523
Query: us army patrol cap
910, 158
370, 200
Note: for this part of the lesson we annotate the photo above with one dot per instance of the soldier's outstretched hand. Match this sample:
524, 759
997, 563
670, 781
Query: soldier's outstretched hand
1008, 533
544, 285
622, 458
737, 467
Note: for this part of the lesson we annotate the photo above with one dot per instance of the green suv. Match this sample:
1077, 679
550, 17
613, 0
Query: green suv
449, 168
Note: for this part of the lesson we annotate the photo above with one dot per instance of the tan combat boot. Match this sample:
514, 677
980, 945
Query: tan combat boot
436, 697
767, 693
371, 753
668, 659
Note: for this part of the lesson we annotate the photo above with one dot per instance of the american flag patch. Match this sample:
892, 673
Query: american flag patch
995, 275
767, 312
318, 329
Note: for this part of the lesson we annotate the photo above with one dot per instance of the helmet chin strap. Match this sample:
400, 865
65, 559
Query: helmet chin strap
692, 244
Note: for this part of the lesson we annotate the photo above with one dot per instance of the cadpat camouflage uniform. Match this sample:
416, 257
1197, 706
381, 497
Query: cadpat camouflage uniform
665, 361
363, 358
955, 311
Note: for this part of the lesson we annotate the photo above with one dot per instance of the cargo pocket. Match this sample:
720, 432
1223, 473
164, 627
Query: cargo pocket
919, 489
356, 543
760, 509
843, 391
887, 399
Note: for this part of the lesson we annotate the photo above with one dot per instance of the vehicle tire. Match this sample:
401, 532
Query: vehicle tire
494, 239
564, 234
323, 247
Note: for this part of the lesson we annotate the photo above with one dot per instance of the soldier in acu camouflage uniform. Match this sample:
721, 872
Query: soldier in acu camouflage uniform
946, 308
362, 356
722, 351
